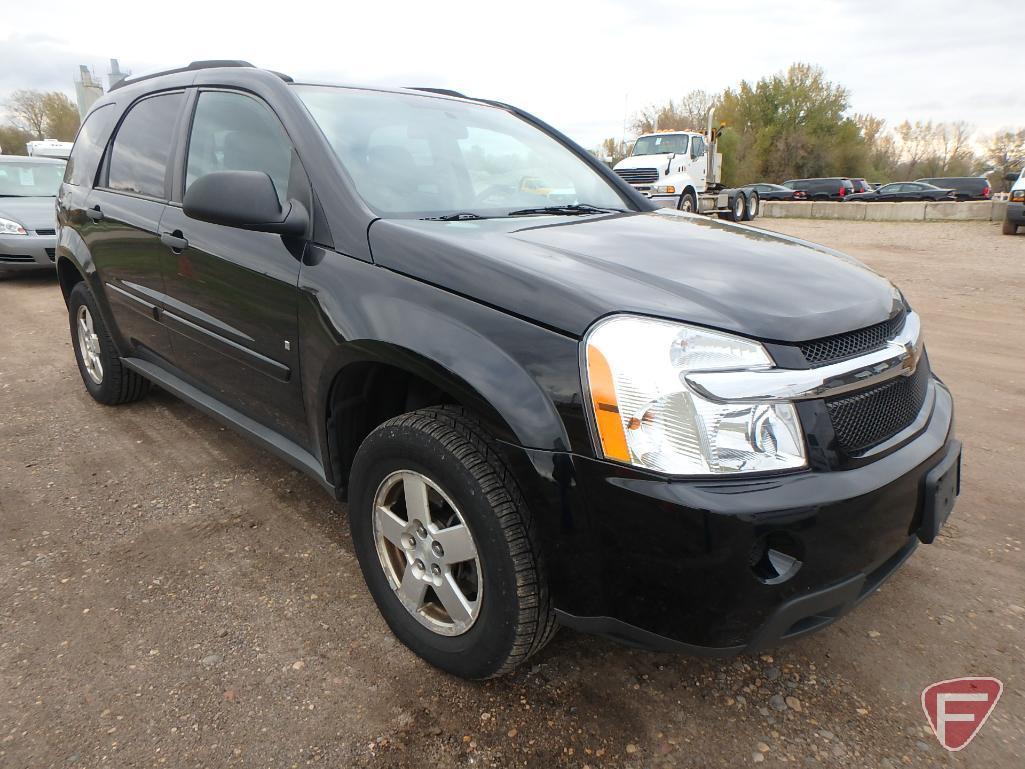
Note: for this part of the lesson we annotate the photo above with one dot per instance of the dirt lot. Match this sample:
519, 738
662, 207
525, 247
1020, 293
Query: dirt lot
172, 596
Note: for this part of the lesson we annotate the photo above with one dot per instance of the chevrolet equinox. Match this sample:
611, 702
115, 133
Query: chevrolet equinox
545, 402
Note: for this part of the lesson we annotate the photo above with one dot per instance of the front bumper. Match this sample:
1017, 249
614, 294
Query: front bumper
672, 564
1016, 213
27, 252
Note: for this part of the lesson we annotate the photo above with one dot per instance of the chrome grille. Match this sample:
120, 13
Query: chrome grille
639, 175
830, 349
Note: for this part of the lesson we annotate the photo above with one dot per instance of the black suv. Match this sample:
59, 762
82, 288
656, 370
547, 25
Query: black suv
544, 401
824, 188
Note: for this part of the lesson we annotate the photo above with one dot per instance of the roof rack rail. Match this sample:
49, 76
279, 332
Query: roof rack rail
192, 66
440, 92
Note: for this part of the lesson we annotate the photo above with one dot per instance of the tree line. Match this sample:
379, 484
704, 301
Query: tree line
34, 115
797, 124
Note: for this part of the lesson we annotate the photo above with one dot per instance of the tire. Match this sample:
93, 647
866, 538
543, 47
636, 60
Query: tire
688, 203
1009, 227
738, 208
754, 206
507, 613
103, 374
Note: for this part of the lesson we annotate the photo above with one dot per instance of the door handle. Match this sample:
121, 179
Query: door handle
94, 213
176, 241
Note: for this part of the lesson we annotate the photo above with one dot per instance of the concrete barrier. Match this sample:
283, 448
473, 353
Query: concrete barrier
968, 211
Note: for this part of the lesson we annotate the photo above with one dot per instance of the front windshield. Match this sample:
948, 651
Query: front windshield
420, 156
661, 145
25, 179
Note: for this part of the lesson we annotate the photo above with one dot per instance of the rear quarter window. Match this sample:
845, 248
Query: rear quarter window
85, 155
141, 148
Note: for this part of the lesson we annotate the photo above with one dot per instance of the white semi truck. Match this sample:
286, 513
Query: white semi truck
683, 170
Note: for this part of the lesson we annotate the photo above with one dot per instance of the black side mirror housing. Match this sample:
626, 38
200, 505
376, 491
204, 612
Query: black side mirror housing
246, 200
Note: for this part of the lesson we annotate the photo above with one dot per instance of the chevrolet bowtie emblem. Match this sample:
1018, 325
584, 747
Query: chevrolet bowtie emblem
910, 358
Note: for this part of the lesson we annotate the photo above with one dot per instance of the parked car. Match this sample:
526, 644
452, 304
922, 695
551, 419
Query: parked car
860, 185
1015, 216
904, 191
768, 191
827, 188
28, 225
674, 431
965, 187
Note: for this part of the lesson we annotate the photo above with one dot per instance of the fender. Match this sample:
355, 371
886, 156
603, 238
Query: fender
522, 379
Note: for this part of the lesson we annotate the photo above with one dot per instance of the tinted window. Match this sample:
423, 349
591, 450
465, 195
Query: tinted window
92, 137
892, 188
138, 158
233, 132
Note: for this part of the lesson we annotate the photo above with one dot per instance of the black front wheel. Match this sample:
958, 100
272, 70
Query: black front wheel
688, 203
1010, 228
447, 545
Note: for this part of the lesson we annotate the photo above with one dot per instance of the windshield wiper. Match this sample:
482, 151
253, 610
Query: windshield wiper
460, 217
575, 209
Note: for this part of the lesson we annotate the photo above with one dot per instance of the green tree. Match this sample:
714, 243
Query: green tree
13, 140
49, 115
1004, 153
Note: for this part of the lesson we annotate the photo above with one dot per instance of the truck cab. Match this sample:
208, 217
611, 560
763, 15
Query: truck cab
666, 163
683, 170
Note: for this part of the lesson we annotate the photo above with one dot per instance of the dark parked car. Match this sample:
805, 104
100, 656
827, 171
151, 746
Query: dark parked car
965, 187
860, 185
903, 191
768, 191
28, 227
826, 188
677, 432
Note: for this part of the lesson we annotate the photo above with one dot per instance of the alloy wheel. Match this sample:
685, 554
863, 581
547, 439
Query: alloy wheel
89, 345
427, 552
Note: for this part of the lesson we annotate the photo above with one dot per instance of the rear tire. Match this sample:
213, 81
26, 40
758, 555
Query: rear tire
738, 208
502, 610
103, 374
754, 206
1010, 228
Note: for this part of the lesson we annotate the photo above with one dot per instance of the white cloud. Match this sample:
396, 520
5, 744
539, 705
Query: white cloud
574, 64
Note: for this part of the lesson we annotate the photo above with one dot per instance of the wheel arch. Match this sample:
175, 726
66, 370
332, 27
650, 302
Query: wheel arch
379, 379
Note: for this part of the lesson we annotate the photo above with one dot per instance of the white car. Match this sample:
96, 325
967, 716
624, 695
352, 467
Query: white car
1015, 216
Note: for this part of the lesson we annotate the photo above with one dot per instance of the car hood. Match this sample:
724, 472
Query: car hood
643, 161
30, 213
565, 272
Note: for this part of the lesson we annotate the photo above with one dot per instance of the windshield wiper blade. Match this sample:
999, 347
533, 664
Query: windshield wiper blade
569, 210
459, 217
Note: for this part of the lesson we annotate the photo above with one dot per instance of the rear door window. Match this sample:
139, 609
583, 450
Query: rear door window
142, 146
92, 137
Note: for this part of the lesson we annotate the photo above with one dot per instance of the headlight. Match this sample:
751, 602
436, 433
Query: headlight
647, 416
7, 227
665, 190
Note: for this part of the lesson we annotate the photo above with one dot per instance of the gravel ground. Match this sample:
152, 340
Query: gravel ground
172, 596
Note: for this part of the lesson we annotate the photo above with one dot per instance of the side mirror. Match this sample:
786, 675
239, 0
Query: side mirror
1011, 177
243, 199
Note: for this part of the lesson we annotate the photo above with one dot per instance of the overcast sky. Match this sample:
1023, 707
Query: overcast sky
580, 66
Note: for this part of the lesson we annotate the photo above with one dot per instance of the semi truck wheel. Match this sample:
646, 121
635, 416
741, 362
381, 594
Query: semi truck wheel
754, 206
688, 202
738, 208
